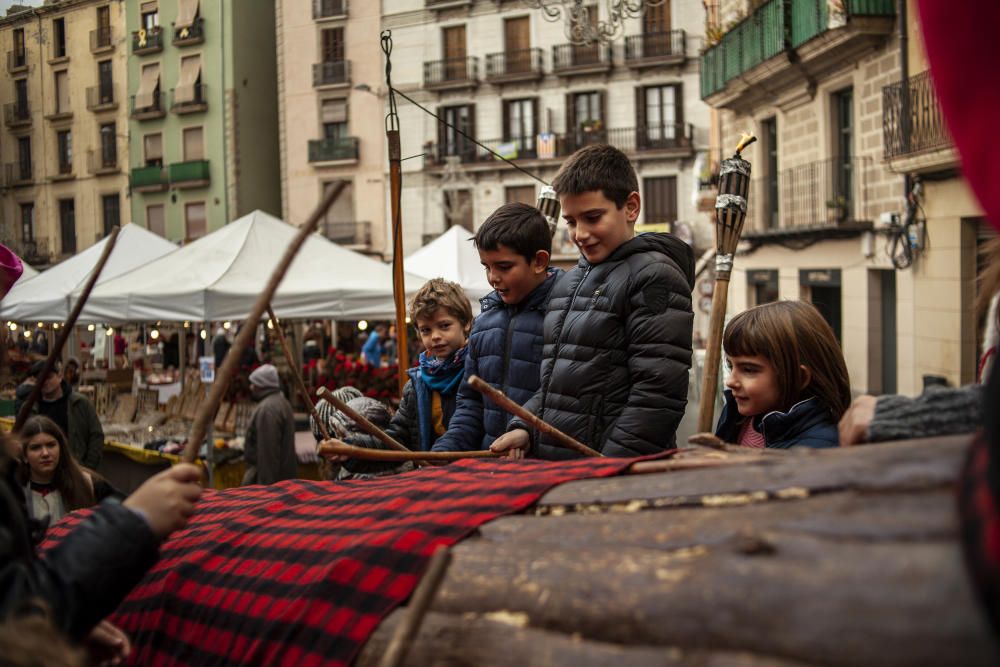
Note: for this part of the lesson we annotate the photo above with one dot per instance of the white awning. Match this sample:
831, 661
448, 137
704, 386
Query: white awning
187, 10
190, 71
149, 81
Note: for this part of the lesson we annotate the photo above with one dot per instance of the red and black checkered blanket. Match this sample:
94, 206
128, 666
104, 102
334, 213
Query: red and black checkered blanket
301, 573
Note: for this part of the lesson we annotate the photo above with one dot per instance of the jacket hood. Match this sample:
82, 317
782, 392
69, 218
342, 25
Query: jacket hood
537, 298
661, 242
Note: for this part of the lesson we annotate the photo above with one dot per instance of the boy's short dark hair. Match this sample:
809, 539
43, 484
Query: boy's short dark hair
520, 227
597, 167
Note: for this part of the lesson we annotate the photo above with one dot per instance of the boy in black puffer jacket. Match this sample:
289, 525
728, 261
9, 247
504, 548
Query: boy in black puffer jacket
617, 352
505, 346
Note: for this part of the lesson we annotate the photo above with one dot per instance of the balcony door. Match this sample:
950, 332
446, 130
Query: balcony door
28, 222
771, 207
450, 141
109, 145
659, 200
520, 124
67, 225
517, 44
105, 82
453, 39
656, 31
24, 158
843, 124
588, 54
585, 119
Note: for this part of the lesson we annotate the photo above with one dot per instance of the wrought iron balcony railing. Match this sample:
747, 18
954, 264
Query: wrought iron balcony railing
330, 150
570, 58
16, 114
451, 72
654, 47
192, 34
197, 102
100, 39
18, 173
327, 9
17, 61
101, 98
155, 108
920, 130
147, 41
332, 73
104, 161
358, 234
519, 64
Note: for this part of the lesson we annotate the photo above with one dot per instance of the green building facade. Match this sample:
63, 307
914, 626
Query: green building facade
203, 113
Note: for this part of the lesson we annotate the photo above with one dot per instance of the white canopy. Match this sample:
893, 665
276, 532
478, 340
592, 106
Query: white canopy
219, 276
50, 295
452, 256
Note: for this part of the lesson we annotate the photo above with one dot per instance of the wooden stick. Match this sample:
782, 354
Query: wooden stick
299, 382
334, 447
207, 410
513, 408
364, 424
424, 594
56, 352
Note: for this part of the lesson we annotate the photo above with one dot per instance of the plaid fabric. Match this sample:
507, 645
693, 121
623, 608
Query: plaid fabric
301, 573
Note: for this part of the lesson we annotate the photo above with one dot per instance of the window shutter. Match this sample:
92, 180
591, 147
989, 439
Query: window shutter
442, 136
570, 113
471, 147
534, 122
640, 117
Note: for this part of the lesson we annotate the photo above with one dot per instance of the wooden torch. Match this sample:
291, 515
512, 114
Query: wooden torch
730, 213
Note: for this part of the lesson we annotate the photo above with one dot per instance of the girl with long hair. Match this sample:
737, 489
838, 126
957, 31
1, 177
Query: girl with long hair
54, 483
788, 384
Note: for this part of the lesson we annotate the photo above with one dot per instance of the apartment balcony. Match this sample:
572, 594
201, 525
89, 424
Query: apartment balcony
17, 174
147, 41
101, 98
514, 66
447, 4
64, 169
16, 114
190, 35
654, 49
451, 73
17, 61
149, 179
777, 53
332, 74
639, 143
828, 198
191, 174
57, 115
573, 60
354, 235
155, 109
916, 142
102, 162
197, 103
33, 251
329, 9
343, 150
101, 40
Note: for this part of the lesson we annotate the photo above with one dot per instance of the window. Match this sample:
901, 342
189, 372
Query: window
334, 116
150, 15
843, 124
458, 208
188, 88
195, 224
24, 158
28, 222
105, 84
67, 225
152, 145
771, 202
519, 124
660, 116
20, 56
109, 146
21, 96
62, 92
659, 199
451, 142
762, 286
187, 14
339, 224
59, 38
517, 44
587, 54
332, 45
524, 194
103, 26
148, 94
155, 220
453, 41
585, 118
656, 31
64, 150
111, 207
194, 144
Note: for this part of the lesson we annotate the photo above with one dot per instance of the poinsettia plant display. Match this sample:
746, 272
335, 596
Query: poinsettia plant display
342, 370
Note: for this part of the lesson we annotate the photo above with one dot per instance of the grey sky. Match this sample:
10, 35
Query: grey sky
4, 4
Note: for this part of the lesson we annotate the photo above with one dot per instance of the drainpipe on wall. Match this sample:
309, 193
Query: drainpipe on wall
904, 88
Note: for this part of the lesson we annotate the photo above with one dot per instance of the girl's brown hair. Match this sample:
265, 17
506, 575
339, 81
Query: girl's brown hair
69, 477
790, 334
441, 293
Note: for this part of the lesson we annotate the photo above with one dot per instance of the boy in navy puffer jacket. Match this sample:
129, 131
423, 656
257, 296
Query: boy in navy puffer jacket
505, 346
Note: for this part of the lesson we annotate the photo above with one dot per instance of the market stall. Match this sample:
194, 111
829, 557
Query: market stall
452, 256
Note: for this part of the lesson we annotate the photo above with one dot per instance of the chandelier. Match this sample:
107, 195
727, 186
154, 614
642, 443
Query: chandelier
582, 23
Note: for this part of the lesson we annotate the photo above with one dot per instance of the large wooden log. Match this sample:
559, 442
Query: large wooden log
846, 557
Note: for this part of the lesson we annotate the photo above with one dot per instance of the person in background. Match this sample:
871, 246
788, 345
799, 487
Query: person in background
391, 349
373, 350
220, 346
54, 483
75, 415
269, 448
121, 350
72, 372
23, 390
788, 383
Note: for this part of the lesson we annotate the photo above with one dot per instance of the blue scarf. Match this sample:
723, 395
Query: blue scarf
443, 376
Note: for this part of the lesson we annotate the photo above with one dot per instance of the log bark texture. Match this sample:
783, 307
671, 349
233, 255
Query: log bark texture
840, 557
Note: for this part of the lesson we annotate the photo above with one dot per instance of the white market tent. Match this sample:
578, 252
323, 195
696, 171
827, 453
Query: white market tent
28, 272
49, 296
219, 276
452, 256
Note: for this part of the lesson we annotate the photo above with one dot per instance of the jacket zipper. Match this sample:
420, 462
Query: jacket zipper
555, 356
506, 352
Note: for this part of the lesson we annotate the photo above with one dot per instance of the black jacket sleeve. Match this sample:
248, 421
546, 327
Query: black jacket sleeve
405, 424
